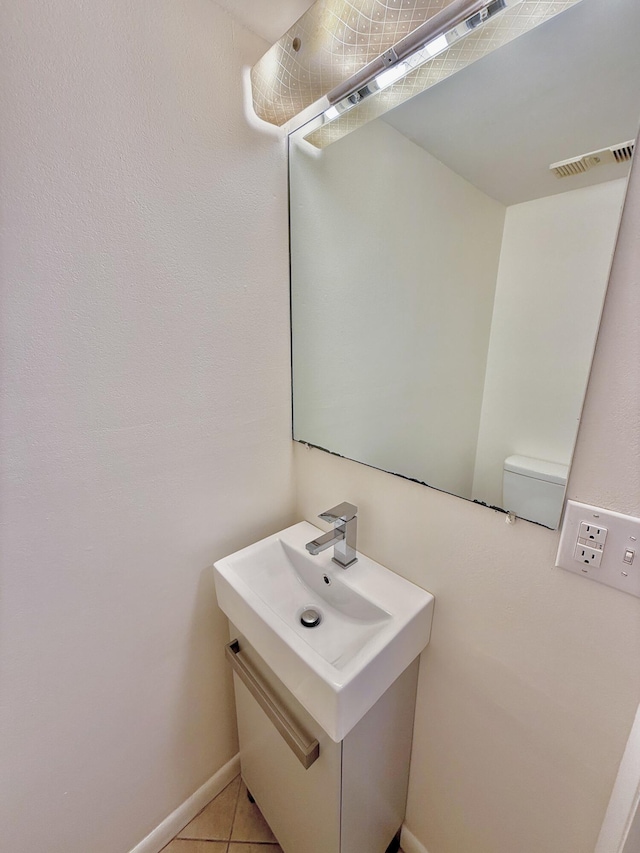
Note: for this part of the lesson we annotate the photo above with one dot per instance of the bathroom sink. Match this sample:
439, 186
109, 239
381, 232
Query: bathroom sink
373, 623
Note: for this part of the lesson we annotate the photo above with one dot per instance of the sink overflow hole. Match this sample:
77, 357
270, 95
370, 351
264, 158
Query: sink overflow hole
310, 618
326, 580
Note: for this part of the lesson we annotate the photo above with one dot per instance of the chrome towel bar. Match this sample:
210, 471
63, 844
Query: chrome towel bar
305, 749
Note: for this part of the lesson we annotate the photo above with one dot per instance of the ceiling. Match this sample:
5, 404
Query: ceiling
568, 87
267, 18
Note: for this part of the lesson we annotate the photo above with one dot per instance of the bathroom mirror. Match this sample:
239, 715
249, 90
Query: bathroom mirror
447, 285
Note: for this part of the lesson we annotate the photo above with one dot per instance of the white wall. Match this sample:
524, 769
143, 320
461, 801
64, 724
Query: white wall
554, 265
145, 410
531, 682
369, 211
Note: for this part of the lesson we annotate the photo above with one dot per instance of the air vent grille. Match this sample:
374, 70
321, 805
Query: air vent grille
621, 153
571, 168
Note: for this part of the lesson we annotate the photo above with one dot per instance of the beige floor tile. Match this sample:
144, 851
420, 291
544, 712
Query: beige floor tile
236, 847
249, 825
179, 845
215, 821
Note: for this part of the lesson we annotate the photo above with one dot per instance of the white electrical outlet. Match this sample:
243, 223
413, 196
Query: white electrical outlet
592, 534
601, 545
587, 555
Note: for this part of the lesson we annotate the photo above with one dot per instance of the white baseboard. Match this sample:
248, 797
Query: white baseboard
410, 843
178, 819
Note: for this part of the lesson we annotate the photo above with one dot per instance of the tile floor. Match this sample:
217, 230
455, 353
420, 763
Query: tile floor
229, 824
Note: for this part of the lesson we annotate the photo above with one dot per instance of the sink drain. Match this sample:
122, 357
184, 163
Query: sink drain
310, 617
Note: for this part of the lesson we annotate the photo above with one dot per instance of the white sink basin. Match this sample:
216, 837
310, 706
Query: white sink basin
373, 623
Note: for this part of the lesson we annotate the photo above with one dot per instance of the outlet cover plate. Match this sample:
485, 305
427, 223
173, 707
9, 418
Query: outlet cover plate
623, 538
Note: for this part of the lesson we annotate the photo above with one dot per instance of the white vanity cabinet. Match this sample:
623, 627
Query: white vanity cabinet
325, 667
352, 797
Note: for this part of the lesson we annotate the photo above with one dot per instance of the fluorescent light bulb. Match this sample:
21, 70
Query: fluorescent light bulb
433, 48
419, 57
391, 75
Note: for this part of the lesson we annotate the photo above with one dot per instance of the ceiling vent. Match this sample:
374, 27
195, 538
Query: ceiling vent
621, 153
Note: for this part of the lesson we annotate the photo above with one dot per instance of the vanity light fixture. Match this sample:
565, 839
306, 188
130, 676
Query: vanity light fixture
400, 67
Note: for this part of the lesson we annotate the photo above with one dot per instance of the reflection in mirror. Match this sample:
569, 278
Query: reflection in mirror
447, 285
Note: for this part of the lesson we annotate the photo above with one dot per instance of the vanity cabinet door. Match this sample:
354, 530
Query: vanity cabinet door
302, 806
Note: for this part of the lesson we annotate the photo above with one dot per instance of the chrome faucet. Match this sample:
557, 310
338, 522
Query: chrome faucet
342, 537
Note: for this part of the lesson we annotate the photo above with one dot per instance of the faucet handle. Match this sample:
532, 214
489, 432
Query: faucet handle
339, 514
